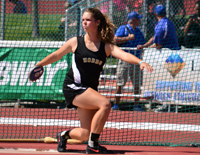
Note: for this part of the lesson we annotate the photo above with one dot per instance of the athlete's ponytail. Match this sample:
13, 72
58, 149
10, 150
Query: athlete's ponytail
106, 27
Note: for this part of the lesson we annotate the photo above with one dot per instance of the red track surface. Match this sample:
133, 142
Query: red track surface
116, 116
130, 136
79, 149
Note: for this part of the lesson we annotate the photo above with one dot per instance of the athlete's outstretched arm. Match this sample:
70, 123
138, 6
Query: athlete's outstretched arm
68, 47
116, 52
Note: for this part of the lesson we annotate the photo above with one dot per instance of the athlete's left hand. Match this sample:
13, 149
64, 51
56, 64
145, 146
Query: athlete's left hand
147, 66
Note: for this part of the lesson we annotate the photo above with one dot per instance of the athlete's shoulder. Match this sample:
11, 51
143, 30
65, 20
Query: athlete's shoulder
108, 48
71, 44
72, 40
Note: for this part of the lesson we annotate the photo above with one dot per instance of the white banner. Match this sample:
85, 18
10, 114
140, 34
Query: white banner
176, 76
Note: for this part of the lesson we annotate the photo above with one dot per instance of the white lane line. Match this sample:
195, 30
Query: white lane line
118, 125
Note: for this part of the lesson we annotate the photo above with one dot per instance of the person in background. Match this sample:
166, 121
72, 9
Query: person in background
176, 7
81, 82
192, 28
129, 35
19, 6
67, 5
164, 37
164, 32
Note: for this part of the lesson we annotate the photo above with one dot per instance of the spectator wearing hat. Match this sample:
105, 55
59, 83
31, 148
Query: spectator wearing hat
164, 37
129, 35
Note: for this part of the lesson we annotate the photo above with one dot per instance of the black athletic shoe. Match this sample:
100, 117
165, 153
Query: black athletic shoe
98, 150
61, 143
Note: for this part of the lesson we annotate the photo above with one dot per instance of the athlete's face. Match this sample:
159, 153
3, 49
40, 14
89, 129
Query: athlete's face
89, 23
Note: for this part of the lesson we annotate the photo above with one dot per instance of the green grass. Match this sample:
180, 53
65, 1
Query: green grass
19, 27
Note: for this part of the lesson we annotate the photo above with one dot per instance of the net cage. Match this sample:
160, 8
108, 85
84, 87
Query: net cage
159, 108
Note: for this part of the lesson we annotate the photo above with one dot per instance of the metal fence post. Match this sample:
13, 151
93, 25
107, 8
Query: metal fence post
111, 10
144, 20
66, 25
3, 9
167, 8
78, 21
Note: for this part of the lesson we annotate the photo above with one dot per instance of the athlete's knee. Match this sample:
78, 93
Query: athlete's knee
85, 134
106, 104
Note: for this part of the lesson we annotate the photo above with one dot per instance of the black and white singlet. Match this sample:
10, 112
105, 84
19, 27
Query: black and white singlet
85, 70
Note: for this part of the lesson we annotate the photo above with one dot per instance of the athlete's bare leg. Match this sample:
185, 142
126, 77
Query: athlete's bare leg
85, 117
93, 112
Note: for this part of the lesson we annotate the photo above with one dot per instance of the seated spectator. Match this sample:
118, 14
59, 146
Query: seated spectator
192, 28
19, 6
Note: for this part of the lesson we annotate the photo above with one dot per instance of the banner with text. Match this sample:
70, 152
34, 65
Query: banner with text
16, 63
176, 76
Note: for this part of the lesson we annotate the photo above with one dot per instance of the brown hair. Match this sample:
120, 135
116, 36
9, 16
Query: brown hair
106, 27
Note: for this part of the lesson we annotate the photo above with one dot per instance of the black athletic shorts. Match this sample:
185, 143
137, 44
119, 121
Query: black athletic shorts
70, 91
